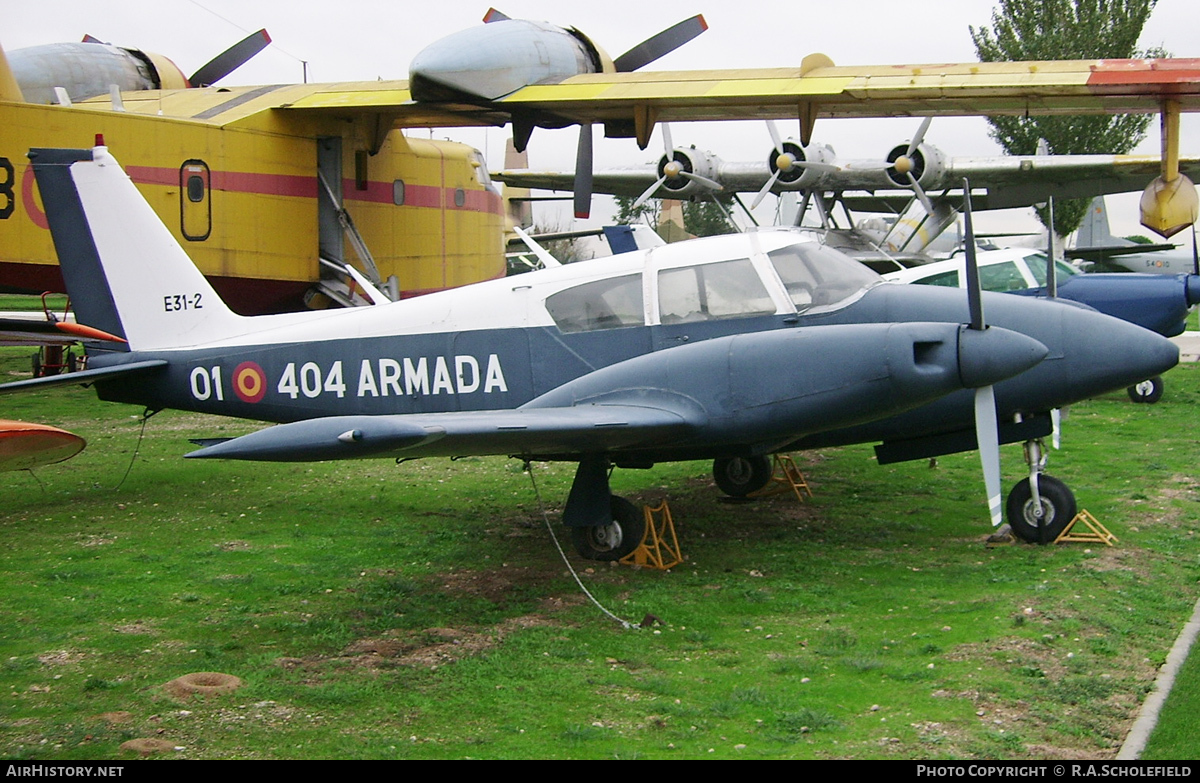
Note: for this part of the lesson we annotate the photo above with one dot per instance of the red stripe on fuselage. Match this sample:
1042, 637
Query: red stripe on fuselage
428, 196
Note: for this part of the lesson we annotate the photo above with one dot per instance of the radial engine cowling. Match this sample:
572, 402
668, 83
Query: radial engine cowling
790, 160
684, 171
927, 165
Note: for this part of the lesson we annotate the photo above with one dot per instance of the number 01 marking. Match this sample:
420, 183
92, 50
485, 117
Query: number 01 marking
206, 381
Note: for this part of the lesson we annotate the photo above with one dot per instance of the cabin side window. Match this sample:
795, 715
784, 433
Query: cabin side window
727, 289
601, 304
1002, 277
949, 279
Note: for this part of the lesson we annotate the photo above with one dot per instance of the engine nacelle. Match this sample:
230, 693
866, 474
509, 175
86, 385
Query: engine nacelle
501, 57
927, 164
86, 70
793, 174
682, 162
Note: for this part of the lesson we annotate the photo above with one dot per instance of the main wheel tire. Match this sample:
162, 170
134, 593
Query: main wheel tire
616, 539
740, 476
1058, 508
1148, 391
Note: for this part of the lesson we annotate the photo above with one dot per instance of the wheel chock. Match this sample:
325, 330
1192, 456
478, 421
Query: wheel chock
786, 476
659, 548
1096, 533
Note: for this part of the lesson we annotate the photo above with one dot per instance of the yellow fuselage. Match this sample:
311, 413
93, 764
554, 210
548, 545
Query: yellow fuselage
236, 181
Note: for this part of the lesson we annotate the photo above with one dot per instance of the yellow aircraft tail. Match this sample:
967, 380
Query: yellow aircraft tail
9, 89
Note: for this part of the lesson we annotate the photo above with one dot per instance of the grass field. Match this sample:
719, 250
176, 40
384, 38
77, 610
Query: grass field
422, 611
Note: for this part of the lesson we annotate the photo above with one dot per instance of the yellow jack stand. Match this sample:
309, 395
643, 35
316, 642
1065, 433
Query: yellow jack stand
785, 476
655, 551
1099, 533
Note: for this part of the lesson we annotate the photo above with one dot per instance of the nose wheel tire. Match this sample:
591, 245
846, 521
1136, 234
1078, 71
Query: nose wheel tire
1149, 391
614, 540
1058, 509
740, 476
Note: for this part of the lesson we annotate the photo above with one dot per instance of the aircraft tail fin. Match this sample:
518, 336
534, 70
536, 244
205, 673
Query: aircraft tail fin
1094, 230
9, 89
125, 272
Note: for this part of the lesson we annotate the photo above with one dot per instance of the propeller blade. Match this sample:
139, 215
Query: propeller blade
1056, 427
668, 143
649, 191
974, 299
920, 137
775, 137
583, 173
765, 189
664, 43
987, 434
987, 428
920, 193
230, 60
711, 184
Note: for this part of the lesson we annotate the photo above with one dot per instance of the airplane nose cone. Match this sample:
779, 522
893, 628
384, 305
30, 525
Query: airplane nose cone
989, 356
1102, 354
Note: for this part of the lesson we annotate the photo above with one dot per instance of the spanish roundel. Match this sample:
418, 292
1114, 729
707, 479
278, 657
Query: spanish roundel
249, 382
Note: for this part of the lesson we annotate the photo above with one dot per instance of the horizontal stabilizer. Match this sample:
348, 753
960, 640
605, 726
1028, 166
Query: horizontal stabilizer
85, 376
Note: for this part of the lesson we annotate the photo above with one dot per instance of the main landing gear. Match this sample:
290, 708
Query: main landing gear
603, 526
1148, 391
742, 476
1039, 507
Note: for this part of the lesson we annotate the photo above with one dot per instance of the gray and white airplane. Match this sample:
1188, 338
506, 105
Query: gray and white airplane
729, 348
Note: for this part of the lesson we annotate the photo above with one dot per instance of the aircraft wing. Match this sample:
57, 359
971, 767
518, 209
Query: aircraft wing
643, 98
574, 430
997, 182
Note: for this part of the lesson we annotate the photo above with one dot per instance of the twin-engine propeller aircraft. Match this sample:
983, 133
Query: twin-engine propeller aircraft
728, 349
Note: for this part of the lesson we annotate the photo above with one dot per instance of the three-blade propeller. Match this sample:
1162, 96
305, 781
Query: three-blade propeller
675, 166
788, 157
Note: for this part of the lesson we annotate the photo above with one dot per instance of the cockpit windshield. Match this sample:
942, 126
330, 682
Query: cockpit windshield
816, 276
1037, 267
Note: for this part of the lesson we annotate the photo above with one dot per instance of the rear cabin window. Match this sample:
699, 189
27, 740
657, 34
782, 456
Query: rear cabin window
727, 289
944, 278
600, 304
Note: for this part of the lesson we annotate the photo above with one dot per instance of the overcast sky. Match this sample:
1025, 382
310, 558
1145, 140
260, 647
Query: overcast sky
368, 39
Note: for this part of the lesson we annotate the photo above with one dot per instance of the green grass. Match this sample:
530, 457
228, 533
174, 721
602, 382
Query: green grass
1175, 735
421, 610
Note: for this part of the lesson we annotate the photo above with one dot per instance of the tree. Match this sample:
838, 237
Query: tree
705, 218
1066, 30
627, 215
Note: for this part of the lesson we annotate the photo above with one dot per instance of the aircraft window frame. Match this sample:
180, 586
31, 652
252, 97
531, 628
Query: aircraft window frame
709, 291
1036, 264
821, 278
596, 305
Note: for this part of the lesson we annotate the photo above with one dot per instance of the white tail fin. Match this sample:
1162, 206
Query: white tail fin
125, 272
